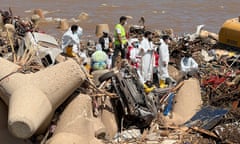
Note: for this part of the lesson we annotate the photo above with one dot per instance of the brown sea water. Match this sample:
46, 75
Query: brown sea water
181, 15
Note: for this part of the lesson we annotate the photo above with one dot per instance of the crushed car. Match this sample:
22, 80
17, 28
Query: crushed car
133, 105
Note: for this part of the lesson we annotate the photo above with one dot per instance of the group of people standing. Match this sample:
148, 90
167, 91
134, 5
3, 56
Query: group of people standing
141, 53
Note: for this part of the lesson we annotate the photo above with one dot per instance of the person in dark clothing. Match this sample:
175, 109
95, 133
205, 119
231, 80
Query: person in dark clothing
106, 42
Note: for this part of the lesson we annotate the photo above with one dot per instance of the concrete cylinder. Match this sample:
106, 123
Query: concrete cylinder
34, 97
100, 28
63, 24
76, 123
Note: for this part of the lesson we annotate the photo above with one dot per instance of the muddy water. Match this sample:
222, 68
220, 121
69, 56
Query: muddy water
182, 16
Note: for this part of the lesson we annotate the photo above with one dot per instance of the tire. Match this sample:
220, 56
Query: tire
106, 76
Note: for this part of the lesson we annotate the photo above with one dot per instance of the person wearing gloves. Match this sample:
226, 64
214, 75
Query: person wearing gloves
163, 61
120, 42
146, 50
188, 64
71, 41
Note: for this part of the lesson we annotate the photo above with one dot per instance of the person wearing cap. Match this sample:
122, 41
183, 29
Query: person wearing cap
71, 41
146, 50
120, 39
106, 42
163, 61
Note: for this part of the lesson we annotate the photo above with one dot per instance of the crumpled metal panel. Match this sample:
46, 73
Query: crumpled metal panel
207, 117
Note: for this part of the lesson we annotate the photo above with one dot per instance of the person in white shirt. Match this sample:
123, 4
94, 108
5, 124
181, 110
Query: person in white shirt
72, 38
188, 64
146, 50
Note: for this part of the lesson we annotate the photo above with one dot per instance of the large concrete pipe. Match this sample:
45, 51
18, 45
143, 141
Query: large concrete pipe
34, 97
76, 124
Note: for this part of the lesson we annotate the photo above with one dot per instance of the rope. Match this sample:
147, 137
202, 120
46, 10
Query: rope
6, 76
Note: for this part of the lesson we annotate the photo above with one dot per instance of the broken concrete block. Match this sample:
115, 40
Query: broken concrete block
76, 124
34, 97
187, 102
188, 99
175, 73
109, 120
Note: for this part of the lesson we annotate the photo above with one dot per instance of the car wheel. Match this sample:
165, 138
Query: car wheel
106, 76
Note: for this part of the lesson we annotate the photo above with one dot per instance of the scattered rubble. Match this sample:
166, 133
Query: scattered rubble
52, 98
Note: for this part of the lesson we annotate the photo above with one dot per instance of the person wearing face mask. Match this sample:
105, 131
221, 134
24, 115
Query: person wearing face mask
106, 42
146, 50
120, 42
71, 40
133, 53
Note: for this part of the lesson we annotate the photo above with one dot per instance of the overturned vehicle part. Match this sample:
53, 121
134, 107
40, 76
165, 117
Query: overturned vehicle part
133, 105
47, 47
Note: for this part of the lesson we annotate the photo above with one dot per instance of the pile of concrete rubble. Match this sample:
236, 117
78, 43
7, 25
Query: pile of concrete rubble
46, 97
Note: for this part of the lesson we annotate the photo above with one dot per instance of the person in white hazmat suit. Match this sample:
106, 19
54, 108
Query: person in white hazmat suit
133, 56
163, 61
146, 51
188, 65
